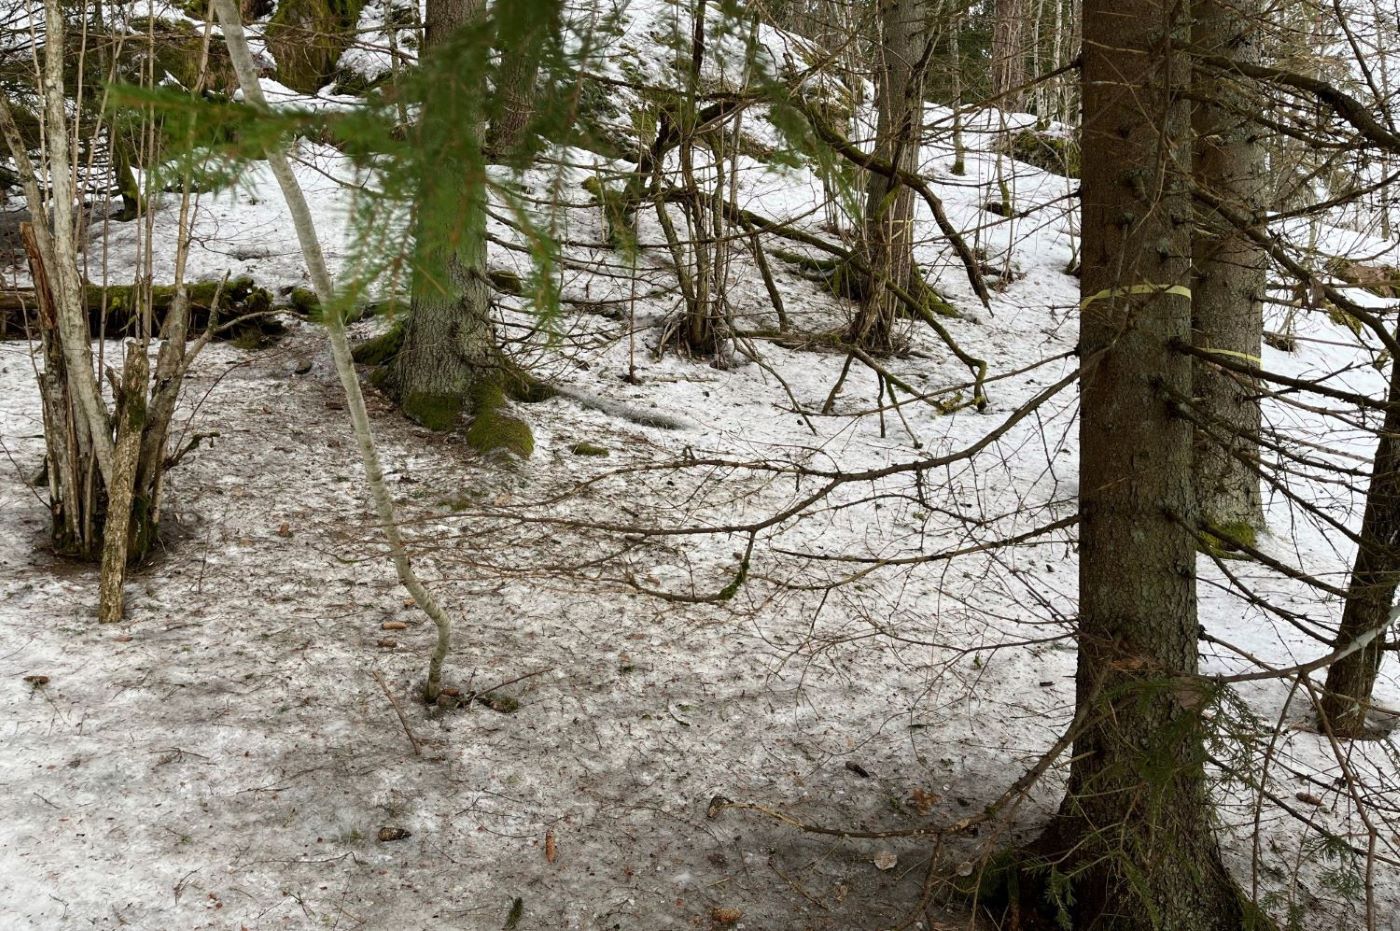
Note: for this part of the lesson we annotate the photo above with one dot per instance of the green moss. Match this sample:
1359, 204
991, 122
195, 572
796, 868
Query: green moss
1223, 540
1342, 318
585, 448
491, 428
239, 298
1052, 152
433, 410
307, 38
381, 349
524, 387
839, 277
304, 301
247, 340
499, 703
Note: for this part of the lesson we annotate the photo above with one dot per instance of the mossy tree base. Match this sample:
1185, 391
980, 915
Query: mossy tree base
307, 38
1068, 879
490, 427
434, 411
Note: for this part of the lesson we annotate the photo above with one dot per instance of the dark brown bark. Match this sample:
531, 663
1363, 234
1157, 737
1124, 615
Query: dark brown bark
1229, 274
448, 341
1371, 593
513, 110
1133, 836
74, 527
888, 235
88, 521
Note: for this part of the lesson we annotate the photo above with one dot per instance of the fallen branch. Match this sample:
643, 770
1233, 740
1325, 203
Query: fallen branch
849, 151
403, 718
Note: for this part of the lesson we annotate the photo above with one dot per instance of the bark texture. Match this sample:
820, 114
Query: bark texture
1371, 592
448, 343
1009, 53
903, 51
1132, 843
517, 79
1229, 274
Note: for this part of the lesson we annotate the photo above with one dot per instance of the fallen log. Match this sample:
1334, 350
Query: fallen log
246, 311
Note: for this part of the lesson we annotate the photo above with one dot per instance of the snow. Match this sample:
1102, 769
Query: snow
226, 758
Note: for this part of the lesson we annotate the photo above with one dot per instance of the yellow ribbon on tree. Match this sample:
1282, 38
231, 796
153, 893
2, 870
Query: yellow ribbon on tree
1107, 293
1238, 355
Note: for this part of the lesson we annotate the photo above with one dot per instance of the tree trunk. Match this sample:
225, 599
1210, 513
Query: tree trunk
448, 343
307, 38
522, 45
1229, 276
1009, 53
1371, 593
903, 53
74, 489
959, 166
1133, 837
121, 493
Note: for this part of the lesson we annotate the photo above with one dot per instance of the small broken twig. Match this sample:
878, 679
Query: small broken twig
403, 719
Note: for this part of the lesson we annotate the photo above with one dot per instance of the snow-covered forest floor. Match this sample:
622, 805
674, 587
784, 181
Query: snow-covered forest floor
233, 755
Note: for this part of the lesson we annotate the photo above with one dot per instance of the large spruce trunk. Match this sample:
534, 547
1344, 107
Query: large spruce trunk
1229, 275
1371, 593
522, 41
888, 235
448, 342
1133, 838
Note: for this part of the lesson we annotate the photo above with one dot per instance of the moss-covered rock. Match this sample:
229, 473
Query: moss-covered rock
1051, 151
304, 301
585, 448
307, 38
